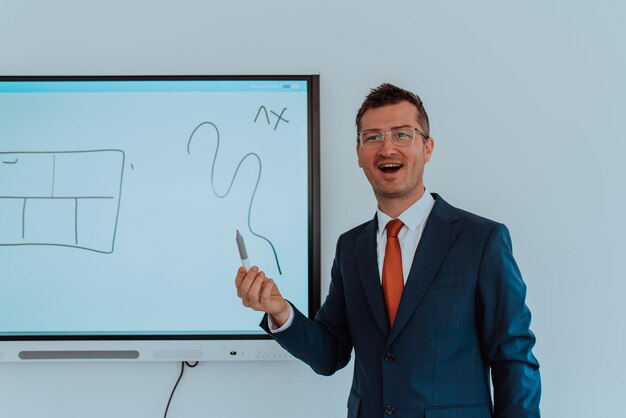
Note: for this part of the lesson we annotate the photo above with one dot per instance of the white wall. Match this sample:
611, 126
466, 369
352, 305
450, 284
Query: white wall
525, 100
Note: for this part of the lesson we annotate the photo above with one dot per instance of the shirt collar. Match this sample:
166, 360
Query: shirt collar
412, 217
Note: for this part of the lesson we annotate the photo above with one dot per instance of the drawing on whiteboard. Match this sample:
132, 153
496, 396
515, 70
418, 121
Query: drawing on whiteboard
279, 117
64, 198
222, 195
264, 111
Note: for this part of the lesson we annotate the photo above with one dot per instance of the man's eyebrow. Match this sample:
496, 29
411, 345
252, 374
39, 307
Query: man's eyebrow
400, 127
391, 129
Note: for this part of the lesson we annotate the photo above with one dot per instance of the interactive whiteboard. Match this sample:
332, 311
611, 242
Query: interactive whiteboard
120, 199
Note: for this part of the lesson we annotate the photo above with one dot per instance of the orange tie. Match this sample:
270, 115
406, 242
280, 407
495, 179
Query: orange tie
393, 281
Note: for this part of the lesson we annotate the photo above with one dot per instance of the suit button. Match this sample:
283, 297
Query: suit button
389, 357
390, 410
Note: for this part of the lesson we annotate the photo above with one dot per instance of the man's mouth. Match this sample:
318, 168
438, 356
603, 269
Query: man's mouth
390, 167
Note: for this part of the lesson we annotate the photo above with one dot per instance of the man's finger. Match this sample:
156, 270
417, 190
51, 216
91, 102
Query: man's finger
241, 273
266, 292
246, 282
255, 290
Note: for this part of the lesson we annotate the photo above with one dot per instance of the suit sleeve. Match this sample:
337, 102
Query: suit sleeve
323, 343
507, 339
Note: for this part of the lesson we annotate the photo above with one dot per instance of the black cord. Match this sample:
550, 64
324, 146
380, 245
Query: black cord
182, 370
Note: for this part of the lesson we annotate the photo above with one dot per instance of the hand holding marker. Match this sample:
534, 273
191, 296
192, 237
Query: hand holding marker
243, 254
259, 292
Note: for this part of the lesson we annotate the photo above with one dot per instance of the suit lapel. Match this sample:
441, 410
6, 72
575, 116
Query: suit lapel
441, 229
367, 264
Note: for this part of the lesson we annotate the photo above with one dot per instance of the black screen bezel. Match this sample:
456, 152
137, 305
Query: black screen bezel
314, 281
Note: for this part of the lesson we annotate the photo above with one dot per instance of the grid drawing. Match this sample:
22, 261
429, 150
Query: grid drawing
65, 198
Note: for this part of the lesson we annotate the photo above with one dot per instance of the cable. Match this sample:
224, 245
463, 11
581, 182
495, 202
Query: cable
182, 370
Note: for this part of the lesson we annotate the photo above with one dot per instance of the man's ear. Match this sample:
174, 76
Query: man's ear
358, 155
429, 146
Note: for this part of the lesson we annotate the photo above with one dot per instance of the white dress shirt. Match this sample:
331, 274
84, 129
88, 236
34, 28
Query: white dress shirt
414, 219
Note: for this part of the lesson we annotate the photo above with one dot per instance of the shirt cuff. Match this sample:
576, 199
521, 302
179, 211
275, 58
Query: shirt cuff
273, 326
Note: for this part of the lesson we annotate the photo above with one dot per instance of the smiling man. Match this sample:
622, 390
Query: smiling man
428, 296
394, 167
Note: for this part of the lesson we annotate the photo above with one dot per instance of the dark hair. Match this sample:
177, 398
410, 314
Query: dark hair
387, 94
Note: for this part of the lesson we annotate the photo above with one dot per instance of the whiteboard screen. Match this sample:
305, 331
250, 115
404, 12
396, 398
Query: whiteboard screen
120, 200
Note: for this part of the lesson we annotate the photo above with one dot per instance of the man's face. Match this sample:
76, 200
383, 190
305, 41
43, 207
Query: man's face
395, 173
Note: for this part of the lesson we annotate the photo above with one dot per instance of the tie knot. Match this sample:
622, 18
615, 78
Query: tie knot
393, 227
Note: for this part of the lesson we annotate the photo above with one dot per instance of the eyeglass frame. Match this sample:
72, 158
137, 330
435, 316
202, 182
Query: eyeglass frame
415, 130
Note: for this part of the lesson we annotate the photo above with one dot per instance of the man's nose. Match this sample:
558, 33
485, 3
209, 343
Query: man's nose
387, 147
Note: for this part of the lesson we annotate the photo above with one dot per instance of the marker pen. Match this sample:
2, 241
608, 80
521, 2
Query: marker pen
243, 254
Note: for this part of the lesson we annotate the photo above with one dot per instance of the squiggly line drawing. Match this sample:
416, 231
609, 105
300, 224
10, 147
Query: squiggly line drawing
221, 196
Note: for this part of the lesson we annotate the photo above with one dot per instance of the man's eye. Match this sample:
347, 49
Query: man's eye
374, 137
403, 135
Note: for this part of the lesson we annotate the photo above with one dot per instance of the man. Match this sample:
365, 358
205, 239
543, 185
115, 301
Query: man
430, 304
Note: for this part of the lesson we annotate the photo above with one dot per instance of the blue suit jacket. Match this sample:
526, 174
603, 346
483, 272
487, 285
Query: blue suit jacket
462, 313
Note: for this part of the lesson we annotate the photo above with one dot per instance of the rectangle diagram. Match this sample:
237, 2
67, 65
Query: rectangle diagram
69, 198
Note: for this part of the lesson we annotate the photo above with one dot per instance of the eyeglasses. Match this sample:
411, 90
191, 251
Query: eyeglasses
400, 137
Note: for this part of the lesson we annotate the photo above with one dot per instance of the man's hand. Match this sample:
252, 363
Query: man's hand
261, 294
